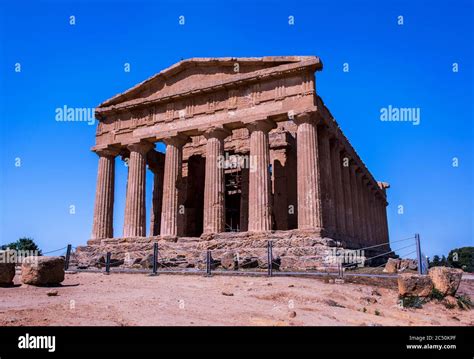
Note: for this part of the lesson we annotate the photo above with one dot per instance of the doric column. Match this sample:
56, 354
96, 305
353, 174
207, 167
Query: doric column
157, 201
381, 210
366, 194
373, 223
104, 196
377, 217
327, 184
308, 181
355, 201
362, 215
135, 212
171, 181
260, 212
346, 181
385, 221
338, 187
214, 191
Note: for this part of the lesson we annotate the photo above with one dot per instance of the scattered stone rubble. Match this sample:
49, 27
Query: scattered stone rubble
395, 265
441, 282
42, 270
7, 273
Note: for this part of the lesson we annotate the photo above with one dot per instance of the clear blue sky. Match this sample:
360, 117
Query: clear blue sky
389, 64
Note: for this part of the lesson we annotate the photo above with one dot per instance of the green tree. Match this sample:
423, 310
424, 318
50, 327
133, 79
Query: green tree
23, 244
442, 262
435, 262
462, 258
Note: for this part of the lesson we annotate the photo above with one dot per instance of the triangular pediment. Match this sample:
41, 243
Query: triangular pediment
198, 73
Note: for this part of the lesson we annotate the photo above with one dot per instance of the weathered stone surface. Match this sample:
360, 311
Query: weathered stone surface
450, 301
395, 265
414, 285
405, 264
292, 250
7, 273
249, 262
445, 279
42, 270
391, 266
147, 262
228, 261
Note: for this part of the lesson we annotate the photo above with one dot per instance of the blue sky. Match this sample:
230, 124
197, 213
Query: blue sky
81, 65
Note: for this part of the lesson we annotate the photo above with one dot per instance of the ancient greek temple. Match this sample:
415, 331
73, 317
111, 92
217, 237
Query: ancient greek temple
251, 152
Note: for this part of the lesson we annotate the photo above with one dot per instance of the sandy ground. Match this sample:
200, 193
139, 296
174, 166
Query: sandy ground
137, 299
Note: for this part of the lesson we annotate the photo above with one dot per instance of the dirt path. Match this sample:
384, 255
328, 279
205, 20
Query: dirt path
137, 299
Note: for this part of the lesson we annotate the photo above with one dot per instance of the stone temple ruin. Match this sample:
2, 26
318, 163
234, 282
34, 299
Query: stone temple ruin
252, 154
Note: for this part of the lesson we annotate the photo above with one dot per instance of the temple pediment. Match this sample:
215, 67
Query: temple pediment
199, 75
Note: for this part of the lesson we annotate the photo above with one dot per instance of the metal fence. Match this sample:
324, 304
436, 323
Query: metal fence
407, 247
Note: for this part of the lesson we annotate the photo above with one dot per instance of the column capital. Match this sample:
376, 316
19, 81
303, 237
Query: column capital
141, 147
107, 152
265, 125
219, 132
178, 140
306, 117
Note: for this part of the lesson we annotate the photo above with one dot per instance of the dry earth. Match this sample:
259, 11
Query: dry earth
137, 299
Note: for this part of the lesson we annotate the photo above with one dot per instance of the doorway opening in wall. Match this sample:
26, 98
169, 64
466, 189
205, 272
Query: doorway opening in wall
233, 186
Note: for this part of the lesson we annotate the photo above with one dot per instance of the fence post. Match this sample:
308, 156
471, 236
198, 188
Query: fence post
155, 258
208, 263
270, 258
418, 253
107, 263
68, 256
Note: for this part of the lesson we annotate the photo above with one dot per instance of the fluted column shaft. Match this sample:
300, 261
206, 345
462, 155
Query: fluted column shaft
135, 210
308, 181
379, 219
373, 219
327, 186
346, 178
214, 191
104, 197
385, 222
367, 219
171, 180
260, 211
338, 189
362, 214
355, 202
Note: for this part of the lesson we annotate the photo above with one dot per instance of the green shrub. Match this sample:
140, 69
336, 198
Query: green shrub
464, 302
412, 302
436, 294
